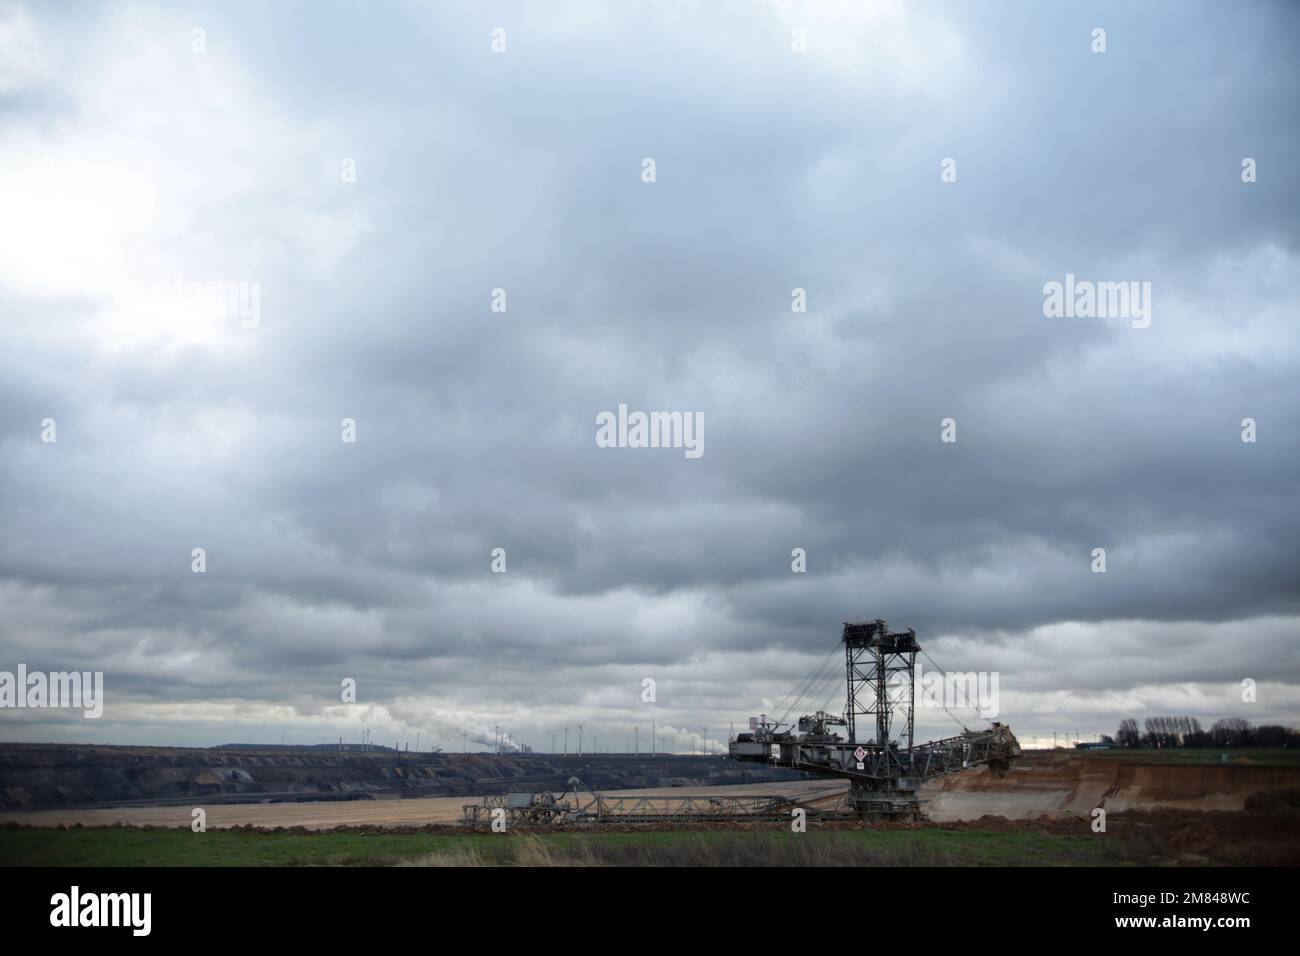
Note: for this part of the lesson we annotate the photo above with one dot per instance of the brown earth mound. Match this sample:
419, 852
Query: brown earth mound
1060, 784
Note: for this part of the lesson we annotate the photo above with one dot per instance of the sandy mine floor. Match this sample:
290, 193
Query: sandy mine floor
416, 812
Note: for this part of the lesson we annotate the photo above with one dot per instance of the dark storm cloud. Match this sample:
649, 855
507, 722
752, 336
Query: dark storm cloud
476, 429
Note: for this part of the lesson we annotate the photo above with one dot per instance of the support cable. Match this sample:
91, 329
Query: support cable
972, 705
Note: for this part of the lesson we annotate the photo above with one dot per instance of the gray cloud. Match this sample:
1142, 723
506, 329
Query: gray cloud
137, 160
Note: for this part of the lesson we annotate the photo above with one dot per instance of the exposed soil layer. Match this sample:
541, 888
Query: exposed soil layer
1051, 784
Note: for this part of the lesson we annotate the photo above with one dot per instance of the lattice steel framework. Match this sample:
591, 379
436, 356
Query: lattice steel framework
881, 671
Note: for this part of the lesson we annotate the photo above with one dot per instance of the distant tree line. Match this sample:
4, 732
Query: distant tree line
1162, 732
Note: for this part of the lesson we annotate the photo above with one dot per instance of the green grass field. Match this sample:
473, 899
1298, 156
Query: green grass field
128, 847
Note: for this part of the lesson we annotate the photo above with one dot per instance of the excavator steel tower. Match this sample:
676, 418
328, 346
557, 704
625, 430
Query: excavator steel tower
886, 771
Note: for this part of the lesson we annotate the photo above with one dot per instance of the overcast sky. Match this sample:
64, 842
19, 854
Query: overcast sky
138, 156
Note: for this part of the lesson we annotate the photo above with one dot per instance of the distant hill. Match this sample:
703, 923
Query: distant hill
336, 748
62, 775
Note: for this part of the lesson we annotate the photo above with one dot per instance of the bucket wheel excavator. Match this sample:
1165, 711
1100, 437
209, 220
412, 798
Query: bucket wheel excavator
885, 770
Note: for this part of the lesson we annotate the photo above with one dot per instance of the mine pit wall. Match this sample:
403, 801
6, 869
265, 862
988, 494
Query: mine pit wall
1064, 785
49, 776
